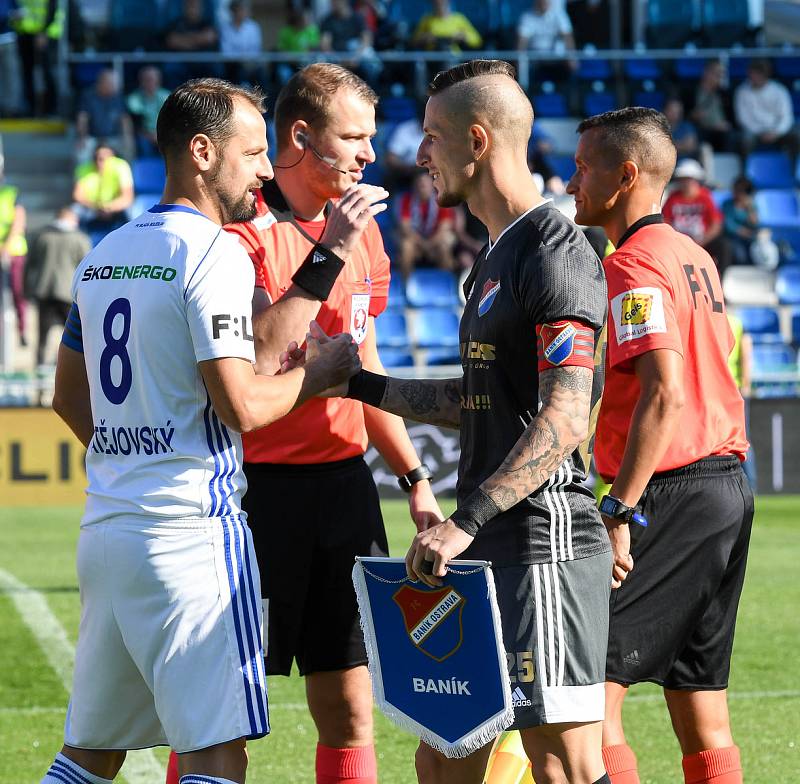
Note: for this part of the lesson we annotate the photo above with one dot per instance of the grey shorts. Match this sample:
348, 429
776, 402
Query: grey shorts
554, 618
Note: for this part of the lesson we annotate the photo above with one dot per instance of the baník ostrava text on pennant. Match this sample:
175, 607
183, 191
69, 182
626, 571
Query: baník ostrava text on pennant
436, 654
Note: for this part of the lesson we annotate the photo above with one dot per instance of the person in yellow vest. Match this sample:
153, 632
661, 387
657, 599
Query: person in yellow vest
740, 362
39, 24
103, 190
13, 248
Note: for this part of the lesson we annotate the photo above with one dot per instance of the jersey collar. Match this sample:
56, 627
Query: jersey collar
279, 207
176, 208
513, 223
648, 220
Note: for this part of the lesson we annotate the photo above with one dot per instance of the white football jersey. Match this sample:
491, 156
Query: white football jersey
164, 292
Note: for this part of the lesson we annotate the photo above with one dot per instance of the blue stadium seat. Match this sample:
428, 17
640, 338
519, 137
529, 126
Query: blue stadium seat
796, 326
638, 69
720, 196
725, 22
737, 68
510, 12
550, 105
652, 99
690, 68
436, 328
787, 239
777, 207
669, 22
431, 288
442, 356
391, 329
398, 108
395, 358
594, 69
397, 292
148, 175
408, 12
787, 67
597, 103
760, 321
484, 14
771, 169
773, 358
373, 174
563, 165
787, 285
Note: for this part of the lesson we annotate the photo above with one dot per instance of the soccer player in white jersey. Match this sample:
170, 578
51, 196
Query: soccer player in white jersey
155, 377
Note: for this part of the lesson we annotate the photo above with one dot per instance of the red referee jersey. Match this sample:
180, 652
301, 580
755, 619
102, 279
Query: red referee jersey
665, 293
320, 431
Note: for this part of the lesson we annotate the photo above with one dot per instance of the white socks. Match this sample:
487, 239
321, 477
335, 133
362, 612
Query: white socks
65, 771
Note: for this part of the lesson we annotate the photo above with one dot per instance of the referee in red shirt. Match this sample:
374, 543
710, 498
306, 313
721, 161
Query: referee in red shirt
670, 439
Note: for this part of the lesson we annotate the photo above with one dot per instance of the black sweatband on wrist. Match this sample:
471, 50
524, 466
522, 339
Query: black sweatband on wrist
476, 510
367, 387
318, 272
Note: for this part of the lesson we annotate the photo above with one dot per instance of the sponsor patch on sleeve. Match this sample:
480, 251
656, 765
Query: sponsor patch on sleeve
637, 313
565, 343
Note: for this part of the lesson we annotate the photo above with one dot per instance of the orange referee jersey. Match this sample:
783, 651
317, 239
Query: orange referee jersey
665, 293
320, 431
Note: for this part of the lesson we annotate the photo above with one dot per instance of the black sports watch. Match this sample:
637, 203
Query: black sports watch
614, 508
407, 481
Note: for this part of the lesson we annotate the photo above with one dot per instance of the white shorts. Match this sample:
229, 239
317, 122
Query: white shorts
170, 641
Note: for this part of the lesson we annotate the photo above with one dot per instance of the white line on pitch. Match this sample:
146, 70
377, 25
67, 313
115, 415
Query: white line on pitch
141, 767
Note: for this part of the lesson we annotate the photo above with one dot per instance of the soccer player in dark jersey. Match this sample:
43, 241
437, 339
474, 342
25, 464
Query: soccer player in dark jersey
670, 438
535, 305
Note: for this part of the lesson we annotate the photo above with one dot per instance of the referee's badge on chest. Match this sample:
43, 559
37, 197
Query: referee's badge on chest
359, 313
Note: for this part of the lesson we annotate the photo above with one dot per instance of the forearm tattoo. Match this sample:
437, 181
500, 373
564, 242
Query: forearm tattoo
433, 402
554, 433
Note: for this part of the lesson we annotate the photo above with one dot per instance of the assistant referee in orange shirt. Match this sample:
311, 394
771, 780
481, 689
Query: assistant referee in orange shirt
670, 439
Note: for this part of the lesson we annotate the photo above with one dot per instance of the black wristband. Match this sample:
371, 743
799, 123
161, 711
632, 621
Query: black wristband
318, 272
476, 510
407, 481
367, 387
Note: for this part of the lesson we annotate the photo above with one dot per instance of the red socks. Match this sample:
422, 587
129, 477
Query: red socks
713, 766
620, 762
346, 766
172, 768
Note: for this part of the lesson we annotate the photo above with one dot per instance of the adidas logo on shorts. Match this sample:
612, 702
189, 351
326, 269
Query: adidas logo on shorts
632, 658
518, 699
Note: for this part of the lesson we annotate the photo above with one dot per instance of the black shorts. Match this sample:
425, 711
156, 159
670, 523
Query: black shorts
673, 619
309, 523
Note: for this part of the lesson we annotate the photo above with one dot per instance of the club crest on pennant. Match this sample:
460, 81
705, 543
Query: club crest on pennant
432, 619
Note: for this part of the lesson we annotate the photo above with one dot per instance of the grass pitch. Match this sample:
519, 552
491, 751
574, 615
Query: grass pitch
37, 567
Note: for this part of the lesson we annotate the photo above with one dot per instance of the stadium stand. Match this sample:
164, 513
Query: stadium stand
749, 286
769, 170
787, 285
428, 288
435, 328
392, 330
778, 207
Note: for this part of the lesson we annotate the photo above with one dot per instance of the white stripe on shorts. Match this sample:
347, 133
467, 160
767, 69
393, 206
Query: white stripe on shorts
539, 627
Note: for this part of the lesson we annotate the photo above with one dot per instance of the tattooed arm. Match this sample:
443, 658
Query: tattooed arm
436, 402
561, 424
555, 432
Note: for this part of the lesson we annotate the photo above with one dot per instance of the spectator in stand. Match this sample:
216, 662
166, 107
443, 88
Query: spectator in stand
299, 34
426, 232
471, 236
764, 111
103, 190
343, 30
193, 31
9, 76
53, 257
684, 134
143, 104
690, 209
240, 36
401, 151
547, 29
444, 29
591, 23
711, 110
13, 248
750, 243
102, 115
39, 24
540, 145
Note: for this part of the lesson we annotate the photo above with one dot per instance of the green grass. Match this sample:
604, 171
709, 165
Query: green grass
39, 550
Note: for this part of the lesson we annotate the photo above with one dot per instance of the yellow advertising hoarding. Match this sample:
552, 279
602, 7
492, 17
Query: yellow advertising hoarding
41, 461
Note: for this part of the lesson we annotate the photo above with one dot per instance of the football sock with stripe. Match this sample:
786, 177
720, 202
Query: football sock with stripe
201, 778
65, 771
172, 768
620, 762
346, 766
713, 766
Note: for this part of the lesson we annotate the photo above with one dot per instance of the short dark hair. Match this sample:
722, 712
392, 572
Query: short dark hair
469, 70
308, 95
743, 184
201, 106
761, 66
636, 133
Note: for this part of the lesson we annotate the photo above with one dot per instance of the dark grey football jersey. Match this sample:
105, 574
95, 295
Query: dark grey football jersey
540, 271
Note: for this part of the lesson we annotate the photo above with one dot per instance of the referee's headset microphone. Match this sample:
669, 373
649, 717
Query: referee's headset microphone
303, 140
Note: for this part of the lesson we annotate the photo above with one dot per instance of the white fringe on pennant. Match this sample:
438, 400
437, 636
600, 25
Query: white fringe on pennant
473, 740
